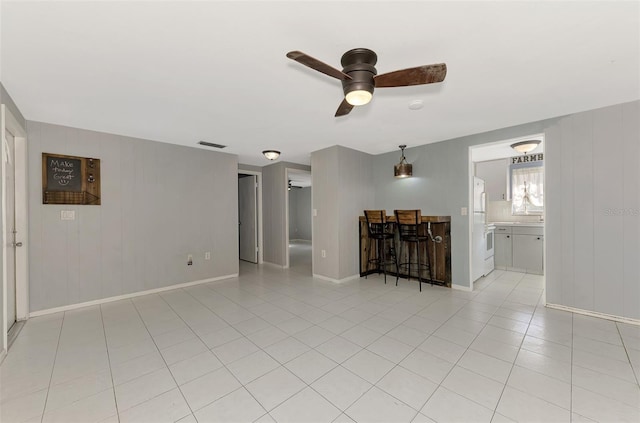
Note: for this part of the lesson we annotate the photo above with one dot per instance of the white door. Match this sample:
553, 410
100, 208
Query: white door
248, 218
10, 224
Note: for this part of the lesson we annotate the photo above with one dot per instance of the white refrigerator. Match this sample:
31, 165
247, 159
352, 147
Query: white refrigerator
478, 228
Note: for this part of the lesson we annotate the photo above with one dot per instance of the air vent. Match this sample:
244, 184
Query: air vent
210, 144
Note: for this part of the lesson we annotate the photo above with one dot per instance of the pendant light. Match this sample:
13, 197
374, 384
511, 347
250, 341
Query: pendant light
525, 147
271, 154
403, 169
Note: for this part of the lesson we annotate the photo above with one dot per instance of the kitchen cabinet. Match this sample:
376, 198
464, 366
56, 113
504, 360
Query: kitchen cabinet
528, 253
495, 174
503, 258
520, 248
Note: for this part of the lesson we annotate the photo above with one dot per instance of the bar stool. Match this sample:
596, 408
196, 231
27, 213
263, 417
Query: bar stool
379, 232
408, 222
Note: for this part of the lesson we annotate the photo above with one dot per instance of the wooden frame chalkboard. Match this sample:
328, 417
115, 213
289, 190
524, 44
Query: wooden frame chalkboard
70, 180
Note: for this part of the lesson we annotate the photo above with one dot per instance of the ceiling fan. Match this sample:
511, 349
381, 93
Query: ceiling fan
359, 76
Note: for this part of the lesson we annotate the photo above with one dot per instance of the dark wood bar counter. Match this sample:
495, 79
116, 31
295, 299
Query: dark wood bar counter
439, 252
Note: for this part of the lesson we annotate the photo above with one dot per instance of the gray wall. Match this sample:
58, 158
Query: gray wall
300, 213
440, 185
342, 190
160, 202
593, 210
274, 188
326, 225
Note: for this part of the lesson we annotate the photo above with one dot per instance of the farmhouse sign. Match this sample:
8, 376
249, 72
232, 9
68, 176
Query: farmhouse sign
528, 158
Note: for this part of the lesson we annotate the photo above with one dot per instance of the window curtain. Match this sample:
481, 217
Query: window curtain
527, 190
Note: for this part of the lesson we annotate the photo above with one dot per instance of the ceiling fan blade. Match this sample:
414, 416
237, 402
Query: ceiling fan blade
413, 76
316, 64
344, 108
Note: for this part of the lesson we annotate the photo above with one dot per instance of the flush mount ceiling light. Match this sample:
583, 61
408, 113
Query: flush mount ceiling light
403, 169
271, 154
525, 147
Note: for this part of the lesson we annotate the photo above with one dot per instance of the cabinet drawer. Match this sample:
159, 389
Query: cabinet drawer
528, 230
503, 229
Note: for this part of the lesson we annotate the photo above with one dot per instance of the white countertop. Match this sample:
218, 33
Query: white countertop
534, 224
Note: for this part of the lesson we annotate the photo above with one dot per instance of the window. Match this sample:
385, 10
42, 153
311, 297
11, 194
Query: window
527, 189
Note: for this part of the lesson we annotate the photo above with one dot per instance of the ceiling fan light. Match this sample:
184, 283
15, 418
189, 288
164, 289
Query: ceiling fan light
403, 169
271, 154
358, 97
525, 147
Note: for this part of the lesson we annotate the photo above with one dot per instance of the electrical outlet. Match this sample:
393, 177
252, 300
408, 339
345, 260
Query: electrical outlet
189, 260
207, 255
323, 253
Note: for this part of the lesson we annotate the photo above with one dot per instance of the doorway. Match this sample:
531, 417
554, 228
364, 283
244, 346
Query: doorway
506, 214
299, 215
249, 216
14, 226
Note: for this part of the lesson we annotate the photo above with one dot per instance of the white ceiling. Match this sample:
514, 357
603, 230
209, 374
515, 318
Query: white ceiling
180, 72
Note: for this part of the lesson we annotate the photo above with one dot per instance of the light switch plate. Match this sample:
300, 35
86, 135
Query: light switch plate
463, 211
315, 212
67, 215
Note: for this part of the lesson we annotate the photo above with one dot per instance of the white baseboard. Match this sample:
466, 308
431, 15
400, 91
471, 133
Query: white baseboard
127, 296
268, 263
620, 319
306, 241
461, 288
325, 278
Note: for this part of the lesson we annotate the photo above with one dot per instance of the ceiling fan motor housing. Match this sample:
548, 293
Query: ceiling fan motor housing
359, 65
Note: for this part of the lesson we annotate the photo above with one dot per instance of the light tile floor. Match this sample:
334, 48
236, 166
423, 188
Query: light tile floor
277, 345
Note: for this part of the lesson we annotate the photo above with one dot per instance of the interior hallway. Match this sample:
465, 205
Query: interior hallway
300, 258
275, 345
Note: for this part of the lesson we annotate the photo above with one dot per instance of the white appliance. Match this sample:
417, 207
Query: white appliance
489, 250
482, 246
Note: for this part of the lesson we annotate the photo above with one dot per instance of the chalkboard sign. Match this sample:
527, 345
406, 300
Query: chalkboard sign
64, 174
70, 180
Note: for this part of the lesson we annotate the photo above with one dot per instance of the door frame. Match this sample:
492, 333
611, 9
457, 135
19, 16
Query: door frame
286, 214
10, 123
259, 228
471, 174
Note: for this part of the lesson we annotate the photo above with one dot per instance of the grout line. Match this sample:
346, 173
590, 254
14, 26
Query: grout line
242, 385
163, 359
44, 409
626, 350
106, 344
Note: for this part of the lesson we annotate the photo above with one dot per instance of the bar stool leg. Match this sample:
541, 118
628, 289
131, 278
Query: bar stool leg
395, 258
409, 258
419, 264
368, 258
397, 264
383, 261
